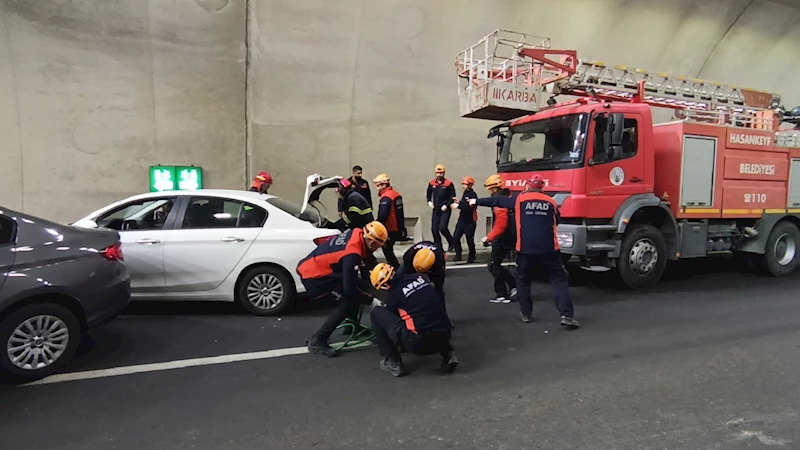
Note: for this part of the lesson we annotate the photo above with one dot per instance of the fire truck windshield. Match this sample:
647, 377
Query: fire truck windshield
547, 144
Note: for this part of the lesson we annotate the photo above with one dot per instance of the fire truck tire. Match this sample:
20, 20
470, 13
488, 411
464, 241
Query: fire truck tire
781, 255
643, 256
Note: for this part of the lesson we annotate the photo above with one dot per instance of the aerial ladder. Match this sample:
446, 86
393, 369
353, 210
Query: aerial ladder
507, 75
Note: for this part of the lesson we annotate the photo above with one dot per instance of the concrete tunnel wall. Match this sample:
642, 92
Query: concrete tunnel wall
92, 93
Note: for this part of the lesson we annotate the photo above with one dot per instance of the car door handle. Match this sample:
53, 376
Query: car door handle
232, 239
635, 180
148, 241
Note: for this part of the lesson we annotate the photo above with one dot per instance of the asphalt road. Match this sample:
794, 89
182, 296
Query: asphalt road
709, 359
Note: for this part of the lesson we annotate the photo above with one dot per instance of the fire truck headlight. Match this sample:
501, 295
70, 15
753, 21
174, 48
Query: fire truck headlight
565, 239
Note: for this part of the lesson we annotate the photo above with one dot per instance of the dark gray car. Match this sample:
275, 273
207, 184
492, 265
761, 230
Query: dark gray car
56, 282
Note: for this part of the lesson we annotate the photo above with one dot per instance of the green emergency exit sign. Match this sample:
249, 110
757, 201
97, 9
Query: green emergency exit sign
175, 178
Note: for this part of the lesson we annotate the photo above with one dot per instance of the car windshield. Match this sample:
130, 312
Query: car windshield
547, 144
310, 215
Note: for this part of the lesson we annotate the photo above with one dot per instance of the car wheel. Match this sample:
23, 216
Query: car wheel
37, 340
266, 291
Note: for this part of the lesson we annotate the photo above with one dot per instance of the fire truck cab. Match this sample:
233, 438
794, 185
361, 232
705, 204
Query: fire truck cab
633, 194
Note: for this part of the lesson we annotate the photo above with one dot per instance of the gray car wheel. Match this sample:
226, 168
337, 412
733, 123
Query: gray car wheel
266, 291
37, 340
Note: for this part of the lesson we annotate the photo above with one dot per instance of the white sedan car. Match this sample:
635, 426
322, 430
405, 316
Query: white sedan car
219, 245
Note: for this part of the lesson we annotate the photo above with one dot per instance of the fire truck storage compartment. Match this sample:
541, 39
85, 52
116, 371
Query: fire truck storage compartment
794, 184
694, 236
699, 162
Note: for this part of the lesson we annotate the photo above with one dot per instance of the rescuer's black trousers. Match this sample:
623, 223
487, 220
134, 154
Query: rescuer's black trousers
552, 267
440, 220
503, 280
391, 334
346, 306
464, 230
388, 248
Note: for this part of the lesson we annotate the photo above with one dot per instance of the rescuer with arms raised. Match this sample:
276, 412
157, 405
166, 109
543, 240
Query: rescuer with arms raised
467, 219
390, 213
537, 247
413, 319
440, 195
502, 238
332, 269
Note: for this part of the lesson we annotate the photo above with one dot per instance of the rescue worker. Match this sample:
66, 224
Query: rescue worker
467, 220
537, 247
261, 183
357, 211
332, 270
413, 319
390, 213
360, 185
427, 257
502, 238
440, 195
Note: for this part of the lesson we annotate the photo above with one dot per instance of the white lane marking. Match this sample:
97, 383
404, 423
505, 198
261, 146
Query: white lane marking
455, 266
179, 364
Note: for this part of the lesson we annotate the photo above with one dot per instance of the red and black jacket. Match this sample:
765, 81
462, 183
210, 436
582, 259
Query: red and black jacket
441, 194
390, 212
337, 261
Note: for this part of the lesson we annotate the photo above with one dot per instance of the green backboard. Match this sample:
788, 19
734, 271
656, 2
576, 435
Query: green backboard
175, 178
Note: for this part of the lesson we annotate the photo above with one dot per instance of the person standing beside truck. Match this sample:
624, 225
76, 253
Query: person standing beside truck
390, 213
360, 185
502, 238
536, 217
467, 220
440, 195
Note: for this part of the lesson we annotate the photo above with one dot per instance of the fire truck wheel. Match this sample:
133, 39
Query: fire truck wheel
643, 256
780, 257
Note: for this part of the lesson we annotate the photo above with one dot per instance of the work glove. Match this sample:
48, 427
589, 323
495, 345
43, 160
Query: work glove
376, 302
472, 202
485, 241
444, 207
454, 206
430, 204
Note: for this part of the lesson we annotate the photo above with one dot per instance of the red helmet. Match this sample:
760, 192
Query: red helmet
343, 185
264, 177
536, 181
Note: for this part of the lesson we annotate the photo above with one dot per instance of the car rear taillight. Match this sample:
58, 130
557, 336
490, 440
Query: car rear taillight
322, 240
113, 253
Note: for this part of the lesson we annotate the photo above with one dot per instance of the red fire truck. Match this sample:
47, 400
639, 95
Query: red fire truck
720, 177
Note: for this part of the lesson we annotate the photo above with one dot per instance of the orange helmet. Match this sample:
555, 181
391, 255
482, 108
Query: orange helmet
439, 169
376, 232
423, 260
493, 181
381, 275
468, 180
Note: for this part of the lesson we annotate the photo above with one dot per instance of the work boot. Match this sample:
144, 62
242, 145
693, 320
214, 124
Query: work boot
318, 346
470, 259
570, 322
449, 362
500, 299
526, 318
457, 258
395, 368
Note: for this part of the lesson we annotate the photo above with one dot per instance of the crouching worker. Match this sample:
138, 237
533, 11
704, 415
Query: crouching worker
413, 319
428, 258
332, 270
